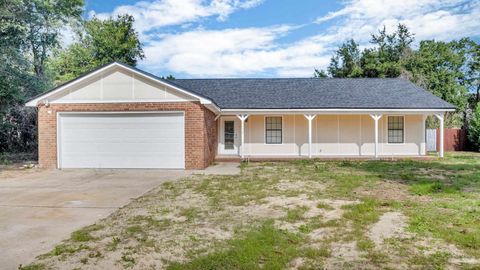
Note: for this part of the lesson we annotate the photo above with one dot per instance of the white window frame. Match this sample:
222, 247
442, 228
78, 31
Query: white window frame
404, 129
265, 129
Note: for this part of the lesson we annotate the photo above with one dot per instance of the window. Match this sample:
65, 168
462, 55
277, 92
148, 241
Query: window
395, 129
273, 130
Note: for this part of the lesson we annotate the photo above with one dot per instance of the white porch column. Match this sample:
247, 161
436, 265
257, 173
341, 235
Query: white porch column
423, 148
376, 117
242, 118
310, 117
441, 118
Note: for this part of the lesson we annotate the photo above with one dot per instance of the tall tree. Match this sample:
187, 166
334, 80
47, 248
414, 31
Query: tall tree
473, 68
99, 42
386, 58
44, 20
439, 67
28, 33
346, 61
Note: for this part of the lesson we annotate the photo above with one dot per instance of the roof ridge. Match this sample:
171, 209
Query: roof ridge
290, 78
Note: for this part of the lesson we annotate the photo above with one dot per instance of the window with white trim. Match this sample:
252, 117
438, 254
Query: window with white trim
273, 130
396, 129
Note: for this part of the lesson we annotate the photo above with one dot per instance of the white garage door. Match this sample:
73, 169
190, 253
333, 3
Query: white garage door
121, 140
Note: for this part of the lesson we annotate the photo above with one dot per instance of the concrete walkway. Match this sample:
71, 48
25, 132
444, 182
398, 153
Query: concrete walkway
39, 208
221, 168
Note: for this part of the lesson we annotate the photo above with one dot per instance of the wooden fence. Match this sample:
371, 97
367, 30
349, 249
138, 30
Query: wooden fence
455, 139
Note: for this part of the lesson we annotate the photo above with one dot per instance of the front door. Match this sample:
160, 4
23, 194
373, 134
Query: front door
228, 145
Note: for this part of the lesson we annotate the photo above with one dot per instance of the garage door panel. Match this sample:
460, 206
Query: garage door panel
106, 135
132, 147
122, 140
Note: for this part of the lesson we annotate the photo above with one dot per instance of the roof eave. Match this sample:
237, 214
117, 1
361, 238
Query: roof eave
339, 110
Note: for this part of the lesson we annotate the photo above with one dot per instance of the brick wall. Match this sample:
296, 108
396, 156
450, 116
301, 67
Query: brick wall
200, 129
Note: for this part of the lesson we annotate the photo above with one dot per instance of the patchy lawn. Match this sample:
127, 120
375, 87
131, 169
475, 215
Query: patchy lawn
305, 214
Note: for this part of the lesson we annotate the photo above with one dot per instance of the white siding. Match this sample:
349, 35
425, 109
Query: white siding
118, 85
333, 135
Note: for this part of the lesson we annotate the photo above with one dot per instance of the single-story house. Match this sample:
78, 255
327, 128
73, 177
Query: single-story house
118, 116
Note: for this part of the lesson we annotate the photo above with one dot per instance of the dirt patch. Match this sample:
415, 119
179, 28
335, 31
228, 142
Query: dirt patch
334, 212
431, 246
295, 264
390, 224
286, 185
321, 233
390, 190
343, 253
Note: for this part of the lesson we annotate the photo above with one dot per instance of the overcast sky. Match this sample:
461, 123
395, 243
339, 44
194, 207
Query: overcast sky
275, 38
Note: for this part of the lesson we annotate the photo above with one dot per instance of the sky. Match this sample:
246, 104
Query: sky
275, 38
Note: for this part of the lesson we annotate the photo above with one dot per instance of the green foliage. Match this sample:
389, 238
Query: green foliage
447, 69
346, 61
44, 20
474, 128
383, 60
439, 67
99, 42
29, 34
319, 74
169, 77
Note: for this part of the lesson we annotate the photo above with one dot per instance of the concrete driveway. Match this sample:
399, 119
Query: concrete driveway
39, 208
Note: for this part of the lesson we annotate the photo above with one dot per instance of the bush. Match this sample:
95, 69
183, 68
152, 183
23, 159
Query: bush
18, 130
474, 128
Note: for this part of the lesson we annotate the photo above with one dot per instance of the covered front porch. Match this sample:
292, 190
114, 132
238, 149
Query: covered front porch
334, 134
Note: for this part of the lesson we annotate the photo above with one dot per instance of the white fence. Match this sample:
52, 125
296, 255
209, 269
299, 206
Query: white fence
431, 140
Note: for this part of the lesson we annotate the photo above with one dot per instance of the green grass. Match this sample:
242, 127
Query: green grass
296, 214
190, 213
363, 214
262, 248
84, 234
455, 220
63, 249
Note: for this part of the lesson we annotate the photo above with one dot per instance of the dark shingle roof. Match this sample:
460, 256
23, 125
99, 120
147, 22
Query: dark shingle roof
309, 93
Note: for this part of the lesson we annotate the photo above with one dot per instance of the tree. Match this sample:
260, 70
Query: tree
474, 128
345, 62
439, 67
320, 73
169, 77
44, 19
473, 68
28, 32
385, 60
99, 42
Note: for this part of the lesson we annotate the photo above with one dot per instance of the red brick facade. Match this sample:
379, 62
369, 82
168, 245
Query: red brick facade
200, 129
